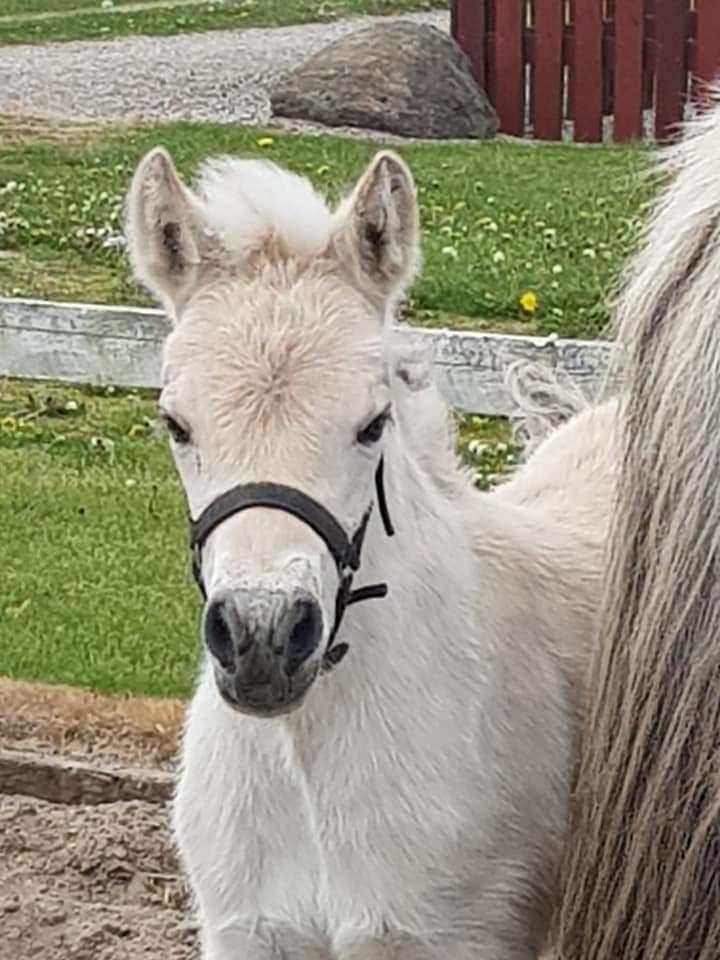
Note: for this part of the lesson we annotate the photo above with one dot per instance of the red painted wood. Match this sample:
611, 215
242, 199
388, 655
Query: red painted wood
490, 71
509, 67
469, 28
628, 72
649, 56
691, 44
586, 75
548, 69
670, 75
707, 44
569, 62
608, 61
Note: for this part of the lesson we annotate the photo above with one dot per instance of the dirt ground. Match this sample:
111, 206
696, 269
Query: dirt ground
89, 882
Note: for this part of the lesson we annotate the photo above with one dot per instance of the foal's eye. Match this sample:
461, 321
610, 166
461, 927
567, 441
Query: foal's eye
374, 430
177, 431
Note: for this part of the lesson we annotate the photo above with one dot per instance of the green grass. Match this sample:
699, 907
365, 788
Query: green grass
95, 589
85, 20
499, 219
32, 8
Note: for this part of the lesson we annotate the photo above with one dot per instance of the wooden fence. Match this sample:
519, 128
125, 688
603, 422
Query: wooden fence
546, 61
82, 343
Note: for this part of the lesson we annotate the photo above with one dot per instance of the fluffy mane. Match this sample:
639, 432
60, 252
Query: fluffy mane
247, 202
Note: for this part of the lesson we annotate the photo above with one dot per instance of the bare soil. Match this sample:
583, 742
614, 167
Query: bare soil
89, 882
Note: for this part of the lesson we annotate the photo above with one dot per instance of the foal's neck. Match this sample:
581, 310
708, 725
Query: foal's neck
428, 565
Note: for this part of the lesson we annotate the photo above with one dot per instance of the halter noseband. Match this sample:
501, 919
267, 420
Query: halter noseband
345, 551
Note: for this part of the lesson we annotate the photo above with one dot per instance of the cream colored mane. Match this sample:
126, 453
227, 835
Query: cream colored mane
251, 203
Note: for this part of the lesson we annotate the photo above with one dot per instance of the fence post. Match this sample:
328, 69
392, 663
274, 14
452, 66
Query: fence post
670, 73
509, 63
586, 74
548, 69
628, 79
707, 14
468, 24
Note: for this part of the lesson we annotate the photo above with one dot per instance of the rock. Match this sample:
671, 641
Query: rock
400, 77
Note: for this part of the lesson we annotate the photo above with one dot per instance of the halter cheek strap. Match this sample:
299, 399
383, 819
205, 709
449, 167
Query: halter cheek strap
345, 551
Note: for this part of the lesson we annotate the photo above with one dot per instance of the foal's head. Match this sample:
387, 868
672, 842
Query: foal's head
276, 371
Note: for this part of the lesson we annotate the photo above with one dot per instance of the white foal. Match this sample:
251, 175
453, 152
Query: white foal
409, 802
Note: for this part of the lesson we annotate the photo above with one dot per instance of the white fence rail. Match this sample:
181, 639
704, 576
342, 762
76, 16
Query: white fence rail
82, 343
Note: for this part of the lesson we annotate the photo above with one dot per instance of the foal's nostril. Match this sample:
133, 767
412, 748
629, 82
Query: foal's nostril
224, 633
283, 630
304, 623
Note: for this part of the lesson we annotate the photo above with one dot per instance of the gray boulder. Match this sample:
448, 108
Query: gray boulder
399, 77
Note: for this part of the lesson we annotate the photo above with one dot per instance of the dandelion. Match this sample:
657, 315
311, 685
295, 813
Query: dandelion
529, 302
265, 141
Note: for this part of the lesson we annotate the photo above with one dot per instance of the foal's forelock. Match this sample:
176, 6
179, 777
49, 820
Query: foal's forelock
260, 209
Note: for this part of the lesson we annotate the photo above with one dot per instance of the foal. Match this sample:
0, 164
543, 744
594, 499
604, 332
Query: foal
389, 780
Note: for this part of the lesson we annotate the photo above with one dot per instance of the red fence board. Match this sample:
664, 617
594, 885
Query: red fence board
469, 27
548, 70
707, 42
509, 63
628, 73
586, 71
670, 72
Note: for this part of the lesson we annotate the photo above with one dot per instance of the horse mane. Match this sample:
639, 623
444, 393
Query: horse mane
643, 852
543, 399
252, 202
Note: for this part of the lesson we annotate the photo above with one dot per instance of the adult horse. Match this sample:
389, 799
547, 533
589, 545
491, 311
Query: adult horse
642, 876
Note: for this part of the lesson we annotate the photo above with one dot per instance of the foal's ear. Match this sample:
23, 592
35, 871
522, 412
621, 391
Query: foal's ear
377, 232
168, 239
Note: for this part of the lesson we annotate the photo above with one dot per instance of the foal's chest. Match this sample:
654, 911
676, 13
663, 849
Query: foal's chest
272, 831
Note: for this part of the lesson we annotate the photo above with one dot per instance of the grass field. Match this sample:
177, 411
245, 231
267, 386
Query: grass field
499, 220
95, 588
40, 21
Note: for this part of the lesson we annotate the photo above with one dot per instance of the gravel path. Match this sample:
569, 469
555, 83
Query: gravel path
219, 75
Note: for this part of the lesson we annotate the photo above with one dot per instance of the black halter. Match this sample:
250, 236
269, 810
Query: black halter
344, 551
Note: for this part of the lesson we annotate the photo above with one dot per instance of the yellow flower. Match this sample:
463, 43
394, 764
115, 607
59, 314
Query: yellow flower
529, 302
9, 423
265, 141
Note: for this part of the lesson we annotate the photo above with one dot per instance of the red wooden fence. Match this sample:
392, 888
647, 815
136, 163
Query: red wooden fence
547, 61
